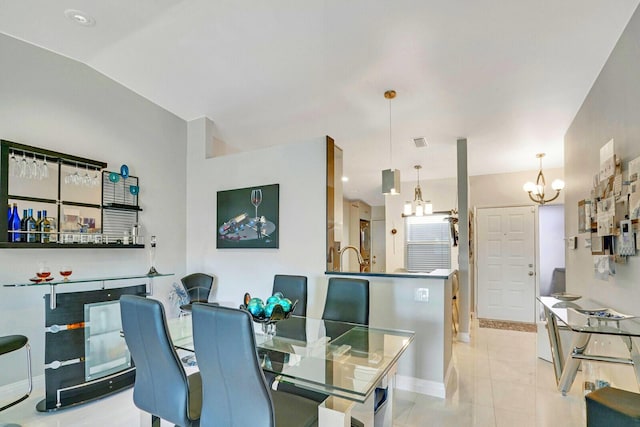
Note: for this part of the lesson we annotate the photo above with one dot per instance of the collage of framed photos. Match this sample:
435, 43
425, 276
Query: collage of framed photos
611, 212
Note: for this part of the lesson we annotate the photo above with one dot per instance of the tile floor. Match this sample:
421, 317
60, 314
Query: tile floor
497, 381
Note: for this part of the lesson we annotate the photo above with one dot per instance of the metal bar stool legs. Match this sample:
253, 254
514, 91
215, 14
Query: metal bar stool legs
12, 343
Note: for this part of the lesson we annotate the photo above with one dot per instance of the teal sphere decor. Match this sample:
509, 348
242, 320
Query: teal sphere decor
124, 171
286, 304
272, 299
255, 301
268, 309
279, 295
257, 309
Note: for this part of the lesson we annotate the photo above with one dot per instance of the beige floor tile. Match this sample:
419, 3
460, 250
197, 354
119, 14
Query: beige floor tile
514, 397
513, 418
553, 409
517, 371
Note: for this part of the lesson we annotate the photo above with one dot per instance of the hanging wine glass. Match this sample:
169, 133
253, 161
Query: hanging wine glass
77, 178
96, 179
33, 169
86, 180
23, 166
256, 199
44, 169
13, 164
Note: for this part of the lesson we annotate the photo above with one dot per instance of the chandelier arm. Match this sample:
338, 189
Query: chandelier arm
541, 183
532, 199
554, 197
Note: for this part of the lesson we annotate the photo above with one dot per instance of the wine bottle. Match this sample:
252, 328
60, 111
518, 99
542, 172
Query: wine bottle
23, 226
45, 228
31, 228
38, 223
9, 225
15, 224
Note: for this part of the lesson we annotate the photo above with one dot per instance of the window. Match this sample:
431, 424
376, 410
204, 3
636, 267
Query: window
427, 243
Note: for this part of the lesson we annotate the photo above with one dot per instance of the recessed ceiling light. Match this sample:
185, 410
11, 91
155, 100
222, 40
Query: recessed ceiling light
79, 17
345, 179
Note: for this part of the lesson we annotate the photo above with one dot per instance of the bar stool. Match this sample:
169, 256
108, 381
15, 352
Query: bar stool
11, 343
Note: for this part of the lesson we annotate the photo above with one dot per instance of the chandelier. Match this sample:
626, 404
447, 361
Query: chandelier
418, 207
390, 177
536, 191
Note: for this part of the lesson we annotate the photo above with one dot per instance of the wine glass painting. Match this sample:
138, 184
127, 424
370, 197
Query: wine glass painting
248, 217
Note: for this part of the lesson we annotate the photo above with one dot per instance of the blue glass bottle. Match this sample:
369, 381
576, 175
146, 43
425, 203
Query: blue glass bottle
15, 224
9, 224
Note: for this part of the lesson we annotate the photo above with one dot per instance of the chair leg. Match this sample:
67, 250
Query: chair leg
155, 421
29, 377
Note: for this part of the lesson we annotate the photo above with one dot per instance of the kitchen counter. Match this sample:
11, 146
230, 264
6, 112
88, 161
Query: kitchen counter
419, 302
440, 273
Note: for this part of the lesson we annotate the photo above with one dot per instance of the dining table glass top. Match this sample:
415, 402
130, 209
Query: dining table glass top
340, 359
588, 316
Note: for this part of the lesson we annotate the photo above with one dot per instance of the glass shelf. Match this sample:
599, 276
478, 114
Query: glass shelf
53, 283
86, 280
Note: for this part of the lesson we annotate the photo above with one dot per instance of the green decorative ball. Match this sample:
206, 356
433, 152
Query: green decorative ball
286, 304
256, 308
268, 309
272, 299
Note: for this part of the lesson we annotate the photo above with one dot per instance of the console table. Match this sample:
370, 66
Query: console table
86, 357
573, 316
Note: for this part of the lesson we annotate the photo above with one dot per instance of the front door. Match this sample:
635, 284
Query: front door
506, 264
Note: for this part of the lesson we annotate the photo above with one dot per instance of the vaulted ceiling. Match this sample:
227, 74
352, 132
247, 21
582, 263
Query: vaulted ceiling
507, 75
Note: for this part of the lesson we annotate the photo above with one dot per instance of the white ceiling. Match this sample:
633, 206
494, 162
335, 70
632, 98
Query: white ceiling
507, 75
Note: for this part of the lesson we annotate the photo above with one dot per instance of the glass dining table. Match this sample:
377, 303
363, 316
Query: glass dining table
585, 317
343, 360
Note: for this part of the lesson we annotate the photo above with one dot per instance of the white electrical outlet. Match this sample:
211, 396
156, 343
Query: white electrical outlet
421, 295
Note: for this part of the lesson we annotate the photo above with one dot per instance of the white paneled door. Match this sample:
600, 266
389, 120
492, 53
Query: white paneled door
506, 264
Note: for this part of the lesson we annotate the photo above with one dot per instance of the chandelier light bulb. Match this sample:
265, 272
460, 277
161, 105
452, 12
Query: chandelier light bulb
407, 208
557, 184
529, 187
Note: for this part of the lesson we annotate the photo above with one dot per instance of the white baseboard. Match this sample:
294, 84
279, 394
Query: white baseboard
18, 388
417, 385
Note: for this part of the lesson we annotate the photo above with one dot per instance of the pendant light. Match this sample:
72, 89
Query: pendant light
390, 177
418, 207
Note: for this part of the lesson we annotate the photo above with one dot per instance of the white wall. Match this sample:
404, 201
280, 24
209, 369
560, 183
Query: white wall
300, 170
505, 189
441, 193
610, 110
53, 102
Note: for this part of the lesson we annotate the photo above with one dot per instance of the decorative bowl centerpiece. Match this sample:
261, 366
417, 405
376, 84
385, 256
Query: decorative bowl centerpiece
268, 312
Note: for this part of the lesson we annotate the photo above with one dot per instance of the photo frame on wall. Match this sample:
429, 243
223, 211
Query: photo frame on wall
248, 217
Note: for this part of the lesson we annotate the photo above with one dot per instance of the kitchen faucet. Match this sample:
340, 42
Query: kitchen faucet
360, 260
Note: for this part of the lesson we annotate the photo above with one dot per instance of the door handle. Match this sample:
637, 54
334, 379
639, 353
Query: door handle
531, 273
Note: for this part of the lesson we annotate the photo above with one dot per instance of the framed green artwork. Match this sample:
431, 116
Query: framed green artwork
248, 217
